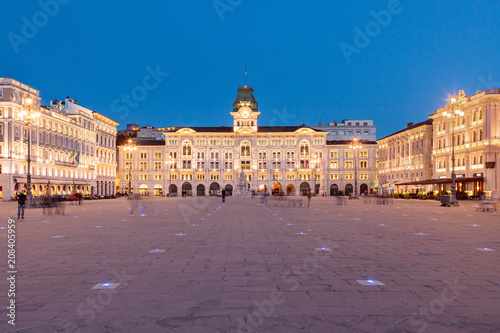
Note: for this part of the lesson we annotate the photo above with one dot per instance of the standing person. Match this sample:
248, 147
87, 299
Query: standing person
21, 202
309, 198
223, 195
79, 198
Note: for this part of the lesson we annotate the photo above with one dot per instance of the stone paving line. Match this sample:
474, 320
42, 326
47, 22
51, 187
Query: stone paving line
244, 267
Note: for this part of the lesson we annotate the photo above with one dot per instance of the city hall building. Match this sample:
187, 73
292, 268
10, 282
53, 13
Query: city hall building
288, 160
72, 148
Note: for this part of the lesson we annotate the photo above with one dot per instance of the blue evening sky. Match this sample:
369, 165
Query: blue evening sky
98, 51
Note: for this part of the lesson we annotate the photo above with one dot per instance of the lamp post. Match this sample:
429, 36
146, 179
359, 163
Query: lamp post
28, 111
355, 146
169, 166
316, 160
453, 115
130, 147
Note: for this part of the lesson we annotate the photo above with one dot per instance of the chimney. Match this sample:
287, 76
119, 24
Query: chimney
410, 125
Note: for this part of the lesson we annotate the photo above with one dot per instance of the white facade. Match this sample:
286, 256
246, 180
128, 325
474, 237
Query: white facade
406, 157
345, 165
347, 130
276, 159
59, 131
476, 137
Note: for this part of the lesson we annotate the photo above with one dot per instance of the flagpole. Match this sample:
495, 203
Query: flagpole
246, 73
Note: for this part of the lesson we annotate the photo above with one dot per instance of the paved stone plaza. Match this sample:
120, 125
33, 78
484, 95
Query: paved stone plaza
195, 265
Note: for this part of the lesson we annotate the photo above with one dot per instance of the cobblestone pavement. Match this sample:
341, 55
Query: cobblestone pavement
196, 265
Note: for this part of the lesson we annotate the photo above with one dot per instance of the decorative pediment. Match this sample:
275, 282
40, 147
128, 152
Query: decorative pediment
186, 131
245, 131
305, 131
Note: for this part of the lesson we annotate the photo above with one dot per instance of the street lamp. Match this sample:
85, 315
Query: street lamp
355, 146
130, 147
28, 111
316, 160
169, 163
453, 115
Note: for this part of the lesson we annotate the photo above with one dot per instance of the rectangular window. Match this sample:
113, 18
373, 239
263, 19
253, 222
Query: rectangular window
363, 164
143, 165
158, 165
200, 177
157, 156
144, 155
1, 93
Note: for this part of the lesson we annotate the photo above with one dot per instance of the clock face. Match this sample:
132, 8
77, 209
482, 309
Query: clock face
245, 114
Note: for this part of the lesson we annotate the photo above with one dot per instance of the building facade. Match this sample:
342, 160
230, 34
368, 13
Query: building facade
350, 168
275, 159
474, 136
144, 168
63, 145
405, 159
348, 129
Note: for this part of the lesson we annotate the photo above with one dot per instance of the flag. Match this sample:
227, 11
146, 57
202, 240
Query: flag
74, 158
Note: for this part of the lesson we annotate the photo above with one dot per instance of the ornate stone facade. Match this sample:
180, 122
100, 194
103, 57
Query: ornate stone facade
63, 145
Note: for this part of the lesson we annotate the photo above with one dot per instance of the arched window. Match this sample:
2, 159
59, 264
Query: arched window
480, 114
304, 148
475, 160
245, 149
440, 165
480, 159
474, 116
186, 148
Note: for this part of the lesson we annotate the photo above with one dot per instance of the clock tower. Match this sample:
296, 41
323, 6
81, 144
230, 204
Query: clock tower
245, 111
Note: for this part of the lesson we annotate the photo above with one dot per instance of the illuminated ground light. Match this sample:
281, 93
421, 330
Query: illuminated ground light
420, 234
106, 285
301, 233
281, 218
382, 225
180, 234
166, 209
98, 213
157, 251
194, 225
98, 226
124, 220
288, 224
475, 225
370, 283
1, 228
485, 249
433, 219
325, 249
340, 214
58, 236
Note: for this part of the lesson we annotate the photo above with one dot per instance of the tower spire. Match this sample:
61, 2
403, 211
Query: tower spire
246, 66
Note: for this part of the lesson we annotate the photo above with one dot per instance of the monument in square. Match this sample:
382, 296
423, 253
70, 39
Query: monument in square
243, 189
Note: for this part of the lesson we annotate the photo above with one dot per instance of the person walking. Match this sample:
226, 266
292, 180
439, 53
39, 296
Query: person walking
21, 202
309, 198
223, 195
